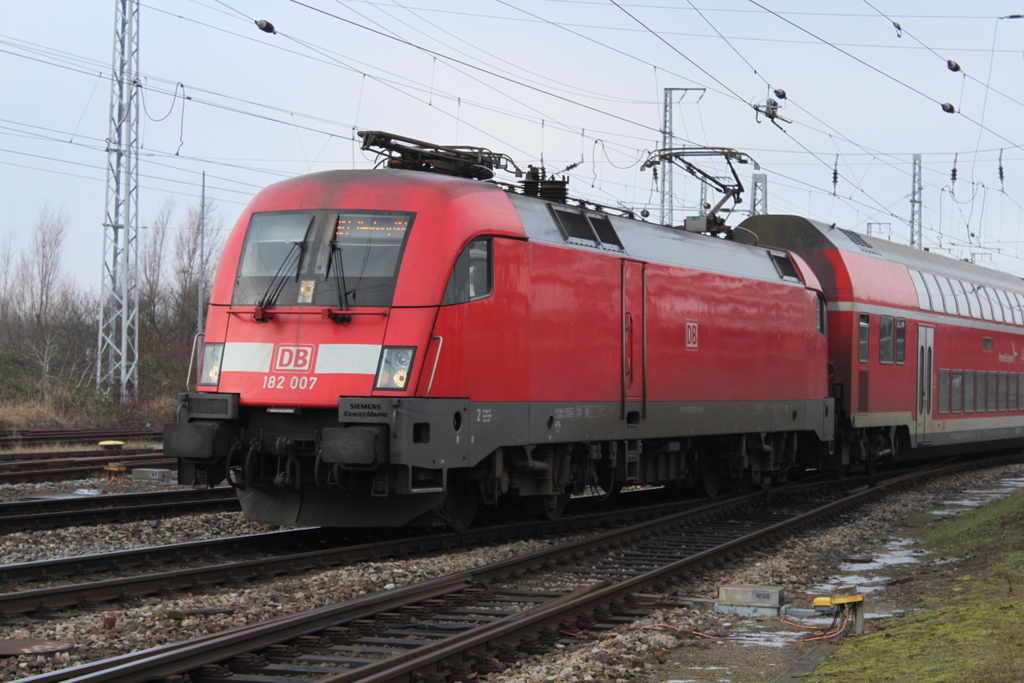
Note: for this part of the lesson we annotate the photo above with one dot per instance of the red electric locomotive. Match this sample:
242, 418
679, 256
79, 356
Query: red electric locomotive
924, 346
395, 346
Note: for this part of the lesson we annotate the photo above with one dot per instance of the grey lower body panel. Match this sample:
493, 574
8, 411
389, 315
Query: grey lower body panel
488, 426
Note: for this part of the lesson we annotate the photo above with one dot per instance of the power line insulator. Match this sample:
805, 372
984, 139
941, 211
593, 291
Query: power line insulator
948, 108
780, 93
952, 66
265, 26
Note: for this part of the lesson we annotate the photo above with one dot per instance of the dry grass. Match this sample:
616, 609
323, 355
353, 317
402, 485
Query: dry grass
91, 414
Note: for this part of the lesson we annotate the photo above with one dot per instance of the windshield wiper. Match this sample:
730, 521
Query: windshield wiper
336, 258
277, 284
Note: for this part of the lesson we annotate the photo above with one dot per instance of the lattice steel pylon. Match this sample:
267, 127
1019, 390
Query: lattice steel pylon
117, 358
759, 194
667, 141
916, 190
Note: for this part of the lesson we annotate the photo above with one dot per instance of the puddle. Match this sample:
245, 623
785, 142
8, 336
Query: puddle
896, 551
900, 551
977, 497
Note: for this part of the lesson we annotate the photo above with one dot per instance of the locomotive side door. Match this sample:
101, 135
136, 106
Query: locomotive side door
925, 381
634, 341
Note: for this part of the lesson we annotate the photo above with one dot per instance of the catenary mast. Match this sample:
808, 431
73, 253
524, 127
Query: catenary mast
118, 335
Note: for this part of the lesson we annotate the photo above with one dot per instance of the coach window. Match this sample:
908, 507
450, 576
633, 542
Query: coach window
1011, 301
961, 297
865, 334
821, 315
997, 308
886, 339
1003, 380
1019, 298
1000, 297
956, 391
923, 301
986, 305
901, 341
968, 305
972, 298
1009, 309
979, 393
933, 290
968, 391
947, 295
471, 278
943, 392
991, 393
1011, 392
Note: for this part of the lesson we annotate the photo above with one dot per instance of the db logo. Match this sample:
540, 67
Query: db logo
691, 334
293, 359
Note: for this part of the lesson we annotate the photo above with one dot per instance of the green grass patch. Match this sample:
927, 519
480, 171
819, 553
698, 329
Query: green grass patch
969, 627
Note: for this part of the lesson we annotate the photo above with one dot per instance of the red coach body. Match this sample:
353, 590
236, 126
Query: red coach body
927, 349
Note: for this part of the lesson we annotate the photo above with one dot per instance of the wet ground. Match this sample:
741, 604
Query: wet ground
890, 576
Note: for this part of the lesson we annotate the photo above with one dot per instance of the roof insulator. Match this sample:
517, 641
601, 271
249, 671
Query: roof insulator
948, 108
952, 66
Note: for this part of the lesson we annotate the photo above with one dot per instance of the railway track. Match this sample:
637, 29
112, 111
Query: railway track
11, 437
469, 623
54, 513
51, 466
291, 552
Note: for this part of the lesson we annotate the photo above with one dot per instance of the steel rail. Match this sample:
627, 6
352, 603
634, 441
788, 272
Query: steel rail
578, 606
32, 515
112, 500
175, 658
13, 437
11, 457
70, 468
92, 592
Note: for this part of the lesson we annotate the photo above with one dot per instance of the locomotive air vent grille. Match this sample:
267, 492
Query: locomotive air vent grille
860, 242
587, 230
605, 232
785, 267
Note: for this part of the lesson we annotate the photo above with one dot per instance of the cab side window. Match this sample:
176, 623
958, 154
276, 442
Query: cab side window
471, 278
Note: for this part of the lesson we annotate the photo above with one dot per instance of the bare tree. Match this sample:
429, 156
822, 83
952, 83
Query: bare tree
7, 279
152, 298
187, 268
43, 283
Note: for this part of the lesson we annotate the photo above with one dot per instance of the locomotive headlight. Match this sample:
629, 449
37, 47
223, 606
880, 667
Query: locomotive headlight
209, 369
395, 364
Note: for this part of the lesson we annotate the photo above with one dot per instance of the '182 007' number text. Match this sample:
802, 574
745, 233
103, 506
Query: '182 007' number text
293, 382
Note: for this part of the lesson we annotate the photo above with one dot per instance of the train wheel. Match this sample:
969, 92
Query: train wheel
548, 507
709, 476
460, 505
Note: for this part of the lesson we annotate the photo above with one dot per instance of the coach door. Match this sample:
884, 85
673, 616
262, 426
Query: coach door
925, 382
634, 341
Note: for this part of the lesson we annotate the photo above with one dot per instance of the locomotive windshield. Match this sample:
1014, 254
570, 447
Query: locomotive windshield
321, 258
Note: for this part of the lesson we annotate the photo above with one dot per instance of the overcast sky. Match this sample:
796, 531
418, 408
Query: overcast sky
554, 81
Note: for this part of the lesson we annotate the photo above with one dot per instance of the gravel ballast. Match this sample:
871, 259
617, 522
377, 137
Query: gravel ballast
660, 647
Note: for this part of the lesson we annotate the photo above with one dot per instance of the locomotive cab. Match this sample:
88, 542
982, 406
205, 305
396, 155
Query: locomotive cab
318, 337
